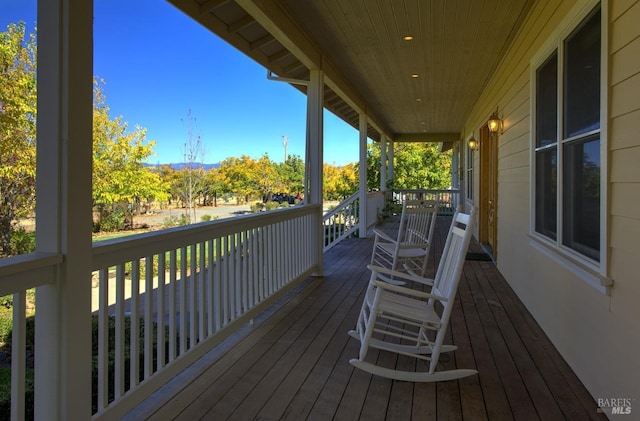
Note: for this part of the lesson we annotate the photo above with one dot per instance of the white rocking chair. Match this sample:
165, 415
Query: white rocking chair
392, 312
409, 251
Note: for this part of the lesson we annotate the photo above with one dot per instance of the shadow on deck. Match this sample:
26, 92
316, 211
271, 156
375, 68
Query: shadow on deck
292, 364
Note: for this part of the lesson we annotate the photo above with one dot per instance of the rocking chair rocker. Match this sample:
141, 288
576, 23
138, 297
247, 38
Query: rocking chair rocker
392, 312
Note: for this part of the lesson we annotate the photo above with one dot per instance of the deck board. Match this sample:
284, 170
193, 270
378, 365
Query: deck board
293, 363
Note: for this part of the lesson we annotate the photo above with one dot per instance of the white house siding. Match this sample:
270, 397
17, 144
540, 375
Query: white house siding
598, 335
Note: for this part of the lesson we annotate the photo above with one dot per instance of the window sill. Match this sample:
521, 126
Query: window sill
581, 269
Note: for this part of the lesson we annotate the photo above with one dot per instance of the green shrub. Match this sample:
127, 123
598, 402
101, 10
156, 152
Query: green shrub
176, 221
5, 394
113, 221
205, 218
257, 207
5, 372
23, 242
271, 205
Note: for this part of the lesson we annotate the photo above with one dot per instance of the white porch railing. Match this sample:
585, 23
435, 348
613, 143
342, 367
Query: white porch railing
341, 221
164, 299
17, 275
448, 199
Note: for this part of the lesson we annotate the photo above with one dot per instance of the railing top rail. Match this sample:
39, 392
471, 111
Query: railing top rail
25, 271
141, 245
427, 190
341, 206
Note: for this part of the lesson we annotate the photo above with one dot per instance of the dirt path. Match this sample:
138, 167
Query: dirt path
157, 218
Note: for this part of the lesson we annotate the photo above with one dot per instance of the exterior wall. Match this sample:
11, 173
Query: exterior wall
596, 333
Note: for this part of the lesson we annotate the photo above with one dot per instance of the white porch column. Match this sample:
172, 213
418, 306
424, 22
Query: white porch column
64, 218
383, 163
314, 150
390, 159
455, 166
362, 229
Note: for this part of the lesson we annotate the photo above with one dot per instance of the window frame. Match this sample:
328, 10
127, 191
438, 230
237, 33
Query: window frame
556, 44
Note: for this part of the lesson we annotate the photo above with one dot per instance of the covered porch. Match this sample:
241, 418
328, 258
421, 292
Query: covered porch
293, 362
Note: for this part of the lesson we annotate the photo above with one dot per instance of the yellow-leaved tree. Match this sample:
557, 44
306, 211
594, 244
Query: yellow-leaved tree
120, 178
17, 134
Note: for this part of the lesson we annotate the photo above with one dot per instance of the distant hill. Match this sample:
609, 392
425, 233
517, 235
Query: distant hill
180, 165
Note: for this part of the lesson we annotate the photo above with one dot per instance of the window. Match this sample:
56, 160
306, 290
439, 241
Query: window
567, 141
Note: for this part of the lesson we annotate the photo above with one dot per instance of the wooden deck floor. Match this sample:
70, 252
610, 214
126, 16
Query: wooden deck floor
293, 363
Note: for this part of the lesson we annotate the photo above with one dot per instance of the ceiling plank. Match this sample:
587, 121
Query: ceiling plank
210, 5
241, 24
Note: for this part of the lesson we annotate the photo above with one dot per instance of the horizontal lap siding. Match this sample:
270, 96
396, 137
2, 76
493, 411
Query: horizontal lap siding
624, 146
593, 332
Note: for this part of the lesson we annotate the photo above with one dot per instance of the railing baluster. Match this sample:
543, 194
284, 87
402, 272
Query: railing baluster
103, 338
148, 317
134, 325
224, 280
217, 286
182, 331
160, 312
18, 356
119, 334
237, 284
201, 291
192, 290
210, 291
173, 307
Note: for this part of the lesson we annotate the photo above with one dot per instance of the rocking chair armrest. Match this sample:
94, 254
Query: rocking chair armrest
407, 291
411, 276
419, 279
384, 236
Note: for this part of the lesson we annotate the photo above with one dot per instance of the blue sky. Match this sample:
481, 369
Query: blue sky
158, 65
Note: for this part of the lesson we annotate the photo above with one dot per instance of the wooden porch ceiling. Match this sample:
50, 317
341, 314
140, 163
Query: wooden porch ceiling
368, 66
293, 364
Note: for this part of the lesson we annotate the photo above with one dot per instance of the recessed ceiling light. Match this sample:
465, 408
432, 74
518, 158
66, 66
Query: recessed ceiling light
415, 75
419, 99
408, 38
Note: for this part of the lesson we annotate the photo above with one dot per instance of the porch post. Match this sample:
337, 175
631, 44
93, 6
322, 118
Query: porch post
390, 159
63, 209
383, 163
455, 166
362, 229
314, 151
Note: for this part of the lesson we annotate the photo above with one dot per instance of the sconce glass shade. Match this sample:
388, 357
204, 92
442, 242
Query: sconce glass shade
495, 124
473, 143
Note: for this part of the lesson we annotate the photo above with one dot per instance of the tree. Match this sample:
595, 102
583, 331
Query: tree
340, 182
291, 173
417, 166
192, 174
17, 131
120, 179
265, 177
215, 185
236, 175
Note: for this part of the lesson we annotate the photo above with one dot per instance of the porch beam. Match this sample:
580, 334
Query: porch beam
275, 20
426, 137
64, 218
363, 128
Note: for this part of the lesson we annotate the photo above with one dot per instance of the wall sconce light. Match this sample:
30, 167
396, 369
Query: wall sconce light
495, 124
473, 144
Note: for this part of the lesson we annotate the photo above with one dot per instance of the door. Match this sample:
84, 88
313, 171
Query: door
488, 228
